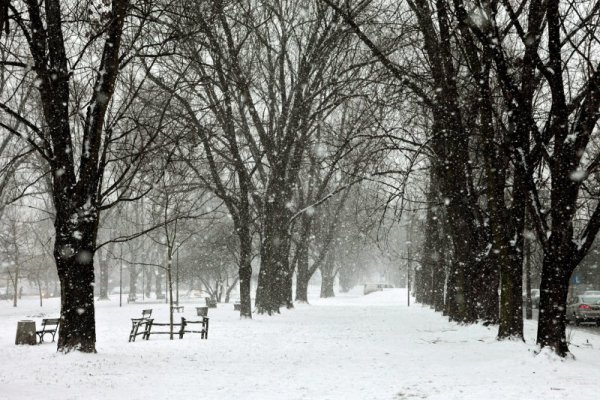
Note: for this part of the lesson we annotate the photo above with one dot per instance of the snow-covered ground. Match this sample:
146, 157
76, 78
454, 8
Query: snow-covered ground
348, 347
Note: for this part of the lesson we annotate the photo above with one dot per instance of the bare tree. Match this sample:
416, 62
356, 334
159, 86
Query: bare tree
72, 135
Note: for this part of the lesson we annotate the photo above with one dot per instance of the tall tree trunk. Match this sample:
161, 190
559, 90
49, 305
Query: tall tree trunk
553, 298
17, 275
289, 288
149, 282
327, 282
528, 301
424, 280
74, 254
230, 288
328, 276
39, 285
274, 250
159, 291
170, 290
16, 284
245, 266
438, 284
511, 268
133, 275
303, 275
487, 291
103, 261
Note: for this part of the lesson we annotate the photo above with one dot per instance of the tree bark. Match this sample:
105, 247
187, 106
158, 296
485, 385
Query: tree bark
230, 288
133, 275
245, 265
528, 300
328, 276
275, 247
327, 282
303, 275
75, 265
149, 282
553, 298
159, 292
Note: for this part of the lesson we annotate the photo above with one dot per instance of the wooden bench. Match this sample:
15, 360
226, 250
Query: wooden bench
179, 309
203, 327
49, 325
237, 306
210, 303
137, 323
179, 329
202, 311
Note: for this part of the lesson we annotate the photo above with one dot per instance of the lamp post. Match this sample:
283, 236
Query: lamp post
143, 283
409, 238
121, 278
177, 277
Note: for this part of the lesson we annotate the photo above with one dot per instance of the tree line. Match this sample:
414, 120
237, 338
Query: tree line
282, 116
512, 90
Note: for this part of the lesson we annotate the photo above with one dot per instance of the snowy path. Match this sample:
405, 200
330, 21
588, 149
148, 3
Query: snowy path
349, 347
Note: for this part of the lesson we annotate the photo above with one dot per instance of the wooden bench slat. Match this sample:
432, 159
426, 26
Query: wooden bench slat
180, 331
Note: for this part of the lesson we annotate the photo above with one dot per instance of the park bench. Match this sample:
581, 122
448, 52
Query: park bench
237, 306
180, 329
137, 323
210, 303
49, 325
203, 327
179, 309
202, 311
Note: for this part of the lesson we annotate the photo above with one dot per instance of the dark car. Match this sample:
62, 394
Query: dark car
584, 309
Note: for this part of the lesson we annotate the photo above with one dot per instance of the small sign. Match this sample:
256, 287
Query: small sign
576, 279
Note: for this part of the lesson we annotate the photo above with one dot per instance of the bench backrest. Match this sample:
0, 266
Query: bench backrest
50, 322
146, 313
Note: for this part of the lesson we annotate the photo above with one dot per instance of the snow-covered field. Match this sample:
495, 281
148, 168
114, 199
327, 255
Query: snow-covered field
348, 347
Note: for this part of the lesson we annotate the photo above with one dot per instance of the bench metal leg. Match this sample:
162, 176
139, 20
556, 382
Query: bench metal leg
147, 329
133, 333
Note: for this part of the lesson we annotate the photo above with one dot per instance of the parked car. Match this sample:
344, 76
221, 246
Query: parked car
591, 293
584, 309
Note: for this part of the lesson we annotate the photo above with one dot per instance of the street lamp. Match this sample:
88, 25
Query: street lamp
143, 283
121, 278
409, 239
121, 266
177, 277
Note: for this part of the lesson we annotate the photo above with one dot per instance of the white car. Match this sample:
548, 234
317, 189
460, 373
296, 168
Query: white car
591, 293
